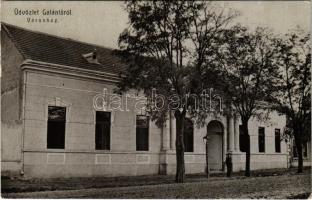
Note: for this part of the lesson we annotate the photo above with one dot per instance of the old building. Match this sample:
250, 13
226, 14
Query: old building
51, 126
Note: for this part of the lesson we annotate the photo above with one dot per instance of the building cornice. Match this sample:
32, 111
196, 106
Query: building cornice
34, 65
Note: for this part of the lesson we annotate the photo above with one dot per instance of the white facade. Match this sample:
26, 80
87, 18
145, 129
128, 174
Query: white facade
79, 157
42, 84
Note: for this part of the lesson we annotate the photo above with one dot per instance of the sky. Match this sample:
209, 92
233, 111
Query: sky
101, 22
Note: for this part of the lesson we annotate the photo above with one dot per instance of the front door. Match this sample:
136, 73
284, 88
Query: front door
215, 152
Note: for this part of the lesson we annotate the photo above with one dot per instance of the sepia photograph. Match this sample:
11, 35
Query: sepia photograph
156, 99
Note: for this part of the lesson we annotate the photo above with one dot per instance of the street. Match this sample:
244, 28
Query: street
279, 186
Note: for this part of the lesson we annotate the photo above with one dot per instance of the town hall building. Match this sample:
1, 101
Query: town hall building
51, 127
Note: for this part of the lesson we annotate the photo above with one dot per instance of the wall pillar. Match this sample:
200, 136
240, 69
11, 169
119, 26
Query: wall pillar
166, 135
231, 133
172, 131
224, 145
236, 134
168, 145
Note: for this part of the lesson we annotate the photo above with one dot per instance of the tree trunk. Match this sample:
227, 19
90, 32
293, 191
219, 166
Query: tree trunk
247, 138
298, 141
207, 162
180, 173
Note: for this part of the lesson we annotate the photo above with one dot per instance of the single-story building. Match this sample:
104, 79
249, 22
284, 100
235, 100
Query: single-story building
51, 127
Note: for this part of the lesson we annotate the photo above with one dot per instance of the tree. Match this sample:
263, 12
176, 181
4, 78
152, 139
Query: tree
294, 96
157, 47
207, 27
247, 62
155, 40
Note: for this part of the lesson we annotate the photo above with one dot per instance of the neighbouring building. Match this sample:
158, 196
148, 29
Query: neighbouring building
50, 126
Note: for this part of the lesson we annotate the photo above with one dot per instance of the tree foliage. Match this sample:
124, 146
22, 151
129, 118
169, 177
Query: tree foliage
249, 71
293, 55
168, 46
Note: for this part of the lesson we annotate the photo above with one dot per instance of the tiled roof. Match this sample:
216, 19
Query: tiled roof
56, 50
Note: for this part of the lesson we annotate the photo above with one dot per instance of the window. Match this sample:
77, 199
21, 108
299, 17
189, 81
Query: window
142, 126
242, 140
102, 130
277, 140
261, 139
188, 135
304, 150
56, 127
295, 153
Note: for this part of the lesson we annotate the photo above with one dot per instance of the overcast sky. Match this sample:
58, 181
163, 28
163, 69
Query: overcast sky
101, 22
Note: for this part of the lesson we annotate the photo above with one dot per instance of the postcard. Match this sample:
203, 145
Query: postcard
156, 99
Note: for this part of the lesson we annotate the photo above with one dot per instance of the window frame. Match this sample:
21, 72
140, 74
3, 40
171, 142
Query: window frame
305, 150
242, 139
304, 147
65, 124
185, 150
279, 140
259, 141
148, 133
110, 131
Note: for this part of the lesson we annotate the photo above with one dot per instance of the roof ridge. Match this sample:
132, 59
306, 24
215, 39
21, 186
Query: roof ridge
56, 36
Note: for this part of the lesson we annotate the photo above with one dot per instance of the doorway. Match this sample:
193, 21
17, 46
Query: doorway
215, 144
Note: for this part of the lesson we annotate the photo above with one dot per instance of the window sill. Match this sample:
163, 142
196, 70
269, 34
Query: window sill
141, 151
102, 151
56, 150
265, 153
304, 158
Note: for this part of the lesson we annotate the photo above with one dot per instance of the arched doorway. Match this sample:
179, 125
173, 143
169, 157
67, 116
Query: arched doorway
215, 145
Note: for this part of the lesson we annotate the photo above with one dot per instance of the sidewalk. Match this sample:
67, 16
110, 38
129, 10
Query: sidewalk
10, 185
277, 187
